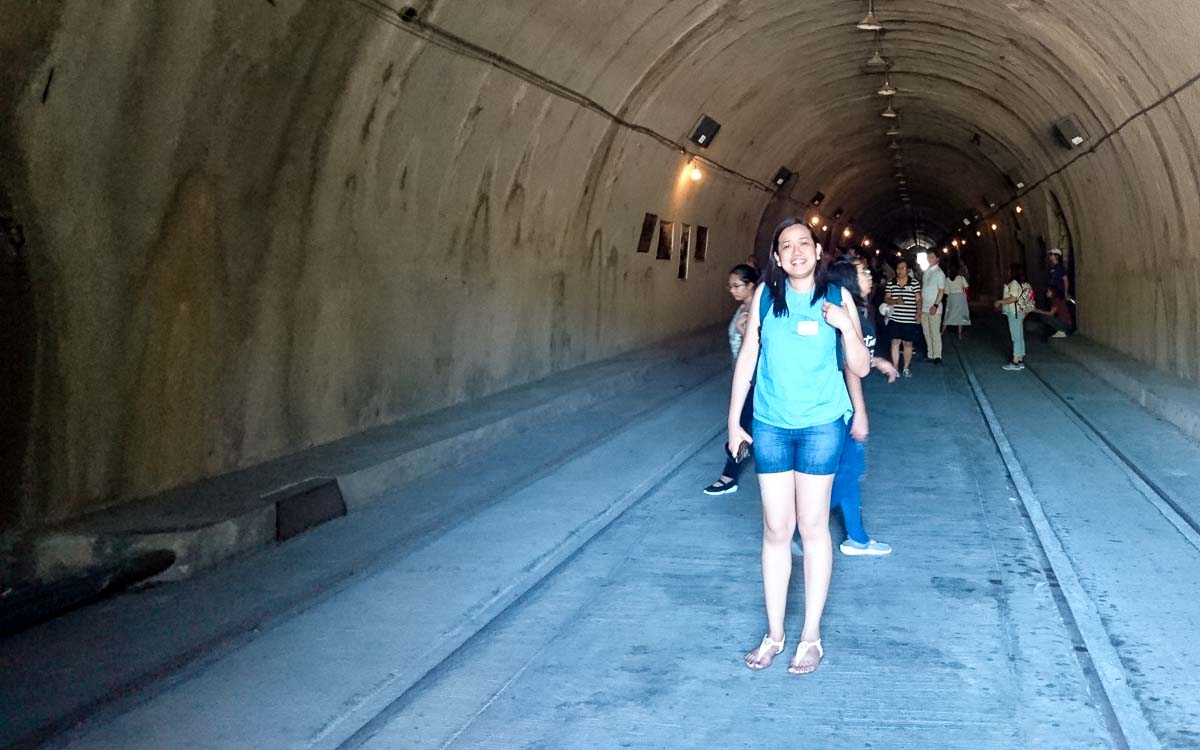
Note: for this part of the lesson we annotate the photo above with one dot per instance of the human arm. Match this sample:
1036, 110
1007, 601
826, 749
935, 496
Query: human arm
1007, 299
845, 318
941, 292
887, 295
885, 367
743, 377
742, 319
859, 425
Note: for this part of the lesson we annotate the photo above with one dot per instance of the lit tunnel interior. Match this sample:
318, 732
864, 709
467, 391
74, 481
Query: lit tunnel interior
238, 228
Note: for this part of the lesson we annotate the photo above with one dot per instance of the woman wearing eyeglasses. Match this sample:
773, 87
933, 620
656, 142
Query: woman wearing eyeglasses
742, 281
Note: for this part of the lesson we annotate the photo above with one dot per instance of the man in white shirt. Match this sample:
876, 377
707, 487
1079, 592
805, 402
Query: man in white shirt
933, 289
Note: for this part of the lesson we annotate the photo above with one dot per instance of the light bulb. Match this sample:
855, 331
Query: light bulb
994, 227
814, 221
696, 174
1019, 209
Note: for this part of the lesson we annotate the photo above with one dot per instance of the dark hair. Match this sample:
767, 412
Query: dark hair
843, 272
777, 278
1017, 272
952, 269
747, 273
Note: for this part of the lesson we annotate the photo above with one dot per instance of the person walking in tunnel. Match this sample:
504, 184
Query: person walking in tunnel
958, 312
1016, 301
743, 279
853, 275
933, 289
801, 407
903, 299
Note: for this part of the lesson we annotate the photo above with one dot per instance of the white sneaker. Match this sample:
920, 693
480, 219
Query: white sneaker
1059, 335
851, 547
1013, 367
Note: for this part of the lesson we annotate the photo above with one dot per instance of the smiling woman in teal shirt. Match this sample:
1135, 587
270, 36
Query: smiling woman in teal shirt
800, 412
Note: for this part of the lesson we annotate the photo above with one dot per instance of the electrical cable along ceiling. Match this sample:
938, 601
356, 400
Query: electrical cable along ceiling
977, 87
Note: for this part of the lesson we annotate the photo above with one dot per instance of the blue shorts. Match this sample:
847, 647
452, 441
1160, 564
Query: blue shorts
808, 450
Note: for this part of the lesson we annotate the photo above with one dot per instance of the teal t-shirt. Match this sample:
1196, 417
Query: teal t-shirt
799, 382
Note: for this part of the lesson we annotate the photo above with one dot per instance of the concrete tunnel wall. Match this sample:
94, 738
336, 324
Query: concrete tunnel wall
237, 228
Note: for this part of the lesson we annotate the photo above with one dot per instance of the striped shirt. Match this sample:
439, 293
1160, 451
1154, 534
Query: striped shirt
904, 309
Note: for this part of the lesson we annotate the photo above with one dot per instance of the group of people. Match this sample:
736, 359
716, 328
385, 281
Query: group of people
922, 309
1018, 303
802, 339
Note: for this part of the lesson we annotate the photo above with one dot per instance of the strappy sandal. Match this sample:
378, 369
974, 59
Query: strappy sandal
802, 649
767, 643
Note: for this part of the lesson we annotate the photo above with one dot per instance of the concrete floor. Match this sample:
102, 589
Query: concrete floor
1040, 595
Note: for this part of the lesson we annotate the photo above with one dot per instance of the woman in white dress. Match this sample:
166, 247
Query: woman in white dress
957, 311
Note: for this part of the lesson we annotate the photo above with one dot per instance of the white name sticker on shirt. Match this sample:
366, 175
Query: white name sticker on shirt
807, 328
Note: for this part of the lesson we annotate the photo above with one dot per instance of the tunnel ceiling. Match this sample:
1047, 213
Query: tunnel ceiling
980, 84
235, 229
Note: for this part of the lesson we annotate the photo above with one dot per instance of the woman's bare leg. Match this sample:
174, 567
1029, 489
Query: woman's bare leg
908, 346
896, 353
812, 521
779, 519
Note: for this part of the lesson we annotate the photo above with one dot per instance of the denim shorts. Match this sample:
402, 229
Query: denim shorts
808, 450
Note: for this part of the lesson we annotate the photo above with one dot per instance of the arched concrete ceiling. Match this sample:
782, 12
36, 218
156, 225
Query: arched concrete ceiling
236, 228
980, 83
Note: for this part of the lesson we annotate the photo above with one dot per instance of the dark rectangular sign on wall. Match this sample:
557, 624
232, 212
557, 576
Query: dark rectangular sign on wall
685, 237
647, 238
701, 243
666, 235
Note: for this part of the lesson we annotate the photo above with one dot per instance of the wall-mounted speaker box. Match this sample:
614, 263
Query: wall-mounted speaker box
781, 177
705, 131
1015, 180
816, 199
1070, 132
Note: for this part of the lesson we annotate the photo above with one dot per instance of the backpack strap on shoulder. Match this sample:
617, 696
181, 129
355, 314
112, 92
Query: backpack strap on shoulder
764, 306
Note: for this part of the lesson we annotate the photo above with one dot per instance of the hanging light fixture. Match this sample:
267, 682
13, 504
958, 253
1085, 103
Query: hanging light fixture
877, 59
870, 23
889, 112
895, 146
887, 89
893, 131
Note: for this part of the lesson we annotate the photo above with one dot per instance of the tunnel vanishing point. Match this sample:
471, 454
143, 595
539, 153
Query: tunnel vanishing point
234, 229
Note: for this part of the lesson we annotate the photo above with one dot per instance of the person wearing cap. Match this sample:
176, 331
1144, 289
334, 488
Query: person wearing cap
1056, 275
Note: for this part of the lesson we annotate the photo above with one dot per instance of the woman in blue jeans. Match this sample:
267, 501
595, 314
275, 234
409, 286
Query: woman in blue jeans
853, 275
800, 411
